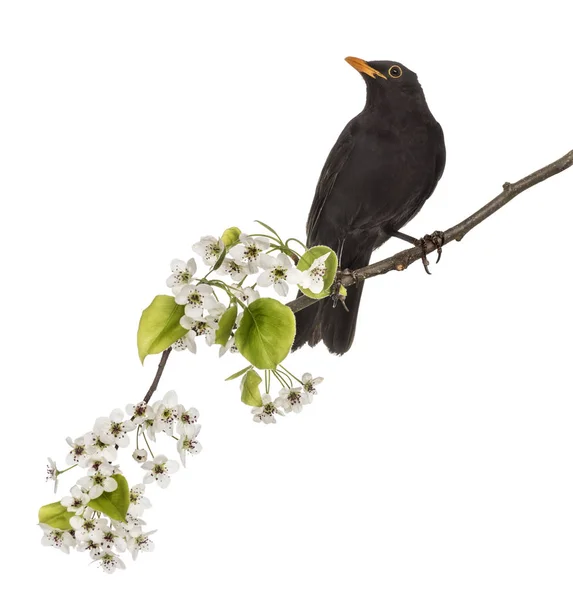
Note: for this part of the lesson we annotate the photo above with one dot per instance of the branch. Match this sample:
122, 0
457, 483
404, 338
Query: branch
158, 375
402, 260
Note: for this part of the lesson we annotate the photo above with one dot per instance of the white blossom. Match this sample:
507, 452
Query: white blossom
84, 525
139, 412
78, 455
77, 502
186, 420
292, 399
166, 413
278, 272
313, 278
137, 501
249, 251
139, 455
187, 342
160, 468
309, 384
209, 248
63, 540
113, 430
95, 550
196, 298
52, 473
182, 274
188, 444
98, 483
140, 543
97, 447
109, 562
246, 295
109, 538
266, 413
207, 326
233, 268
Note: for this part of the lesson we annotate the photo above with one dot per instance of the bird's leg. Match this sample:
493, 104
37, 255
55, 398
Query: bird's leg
437, 239
335, 294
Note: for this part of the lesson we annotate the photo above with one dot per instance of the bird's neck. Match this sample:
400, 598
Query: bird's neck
403, 101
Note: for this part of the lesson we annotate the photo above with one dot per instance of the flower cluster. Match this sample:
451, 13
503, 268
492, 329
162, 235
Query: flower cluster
91, 518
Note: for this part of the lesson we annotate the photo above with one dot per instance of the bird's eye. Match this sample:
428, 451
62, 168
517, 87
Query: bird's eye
395, 71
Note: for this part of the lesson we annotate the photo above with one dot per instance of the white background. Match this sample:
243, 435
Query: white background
437, 460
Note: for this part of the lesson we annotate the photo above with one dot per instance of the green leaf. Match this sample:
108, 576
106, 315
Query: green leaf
250, 393
239, 373
219, 260
231, 236
113, 504
269, 228
159, 326
331, 264
226, 323
266, 333
55, 515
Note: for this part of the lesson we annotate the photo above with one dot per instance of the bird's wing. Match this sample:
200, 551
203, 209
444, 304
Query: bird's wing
334, 164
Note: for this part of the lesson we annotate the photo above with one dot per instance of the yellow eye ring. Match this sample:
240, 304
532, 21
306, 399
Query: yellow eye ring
395, 71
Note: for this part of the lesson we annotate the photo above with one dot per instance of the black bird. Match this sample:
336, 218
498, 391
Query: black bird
384, 166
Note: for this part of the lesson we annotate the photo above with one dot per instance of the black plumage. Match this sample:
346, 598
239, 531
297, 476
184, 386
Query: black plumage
384, 166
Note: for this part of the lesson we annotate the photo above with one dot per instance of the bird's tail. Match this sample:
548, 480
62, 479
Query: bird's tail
333, 325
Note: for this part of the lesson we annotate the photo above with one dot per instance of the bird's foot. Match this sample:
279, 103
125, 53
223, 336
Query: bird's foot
437, 239
338, 293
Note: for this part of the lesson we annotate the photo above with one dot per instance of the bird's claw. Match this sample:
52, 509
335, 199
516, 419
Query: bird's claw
437, 239
336, 293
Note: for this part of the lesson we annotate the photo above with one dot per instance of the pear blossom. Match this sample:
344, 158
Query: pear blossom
97, 447
313, 278
109, 538
186, 420
278, 271
84, 525
188, 445
109, 562
160, 469
246, 295
196, 298
95, 550
166, 413
229, 346
209, 248
133, 524
182, 274
187, 342
113, 430
140, 543
309, 384
249, 251
137, 501
266, 413
139, 412
139, 455
234, 269
77, 502
292, 399
52, 473
98, 483
78, 455
197, 327
63, 540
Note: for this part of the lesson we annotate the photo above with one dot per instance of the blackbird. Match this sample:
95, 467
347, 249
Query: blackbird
384, 166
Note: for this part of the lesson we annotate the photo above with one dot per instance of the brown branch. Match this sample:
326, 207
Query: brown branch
155, 381
404, 259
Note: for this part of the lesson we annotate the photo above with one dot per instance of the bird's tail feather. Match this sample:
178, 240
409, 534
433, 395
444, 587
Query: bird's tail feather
333, 325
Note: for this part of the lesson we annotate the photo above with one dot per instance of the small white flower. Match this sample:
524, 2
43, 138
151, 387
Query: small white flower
249, 251
229, 346
209, 248
140, 543
137, 501
97, 447
109, 538
159, 470
246, 295
266, 413
186, 420
182, 274
52, 473
187, 342
196, 298
313, 278
236, 270
197, 327
133, 524
139, 455
189, 445
309, 384
95, 549
113, 430
98, 483
278, 272
85, 525
78, 455
139, 412
77, 502
166, 413
292, 399
109, 562
63, 540
98, 463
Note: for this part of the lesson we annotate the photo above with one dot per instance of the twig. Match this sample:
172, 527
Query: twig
402, 260
155, 381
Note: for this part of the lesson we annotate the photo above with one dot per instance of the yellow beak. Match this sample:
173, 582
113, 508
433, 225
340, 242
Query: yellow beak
363, 67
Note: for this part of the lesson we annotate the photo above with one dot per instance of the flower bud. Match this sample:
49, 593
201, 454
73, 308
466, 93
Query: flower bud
140, 455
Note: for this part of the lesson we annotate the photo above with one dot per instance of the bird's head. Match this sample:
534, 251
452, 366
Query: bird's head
386, 78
